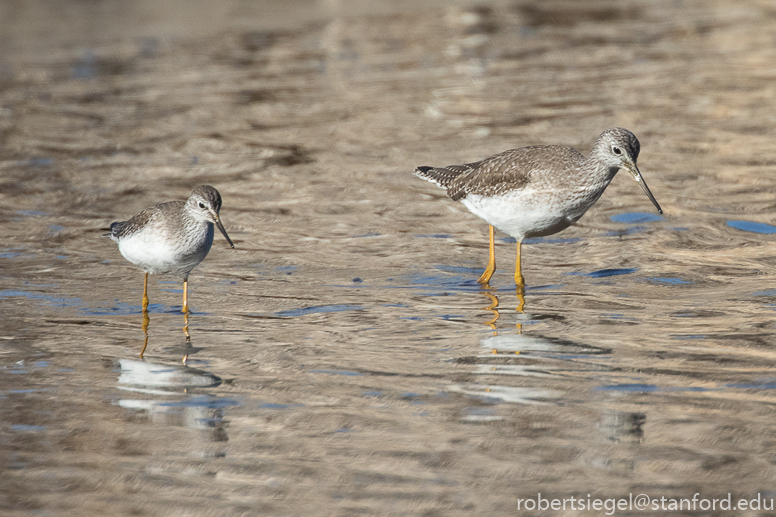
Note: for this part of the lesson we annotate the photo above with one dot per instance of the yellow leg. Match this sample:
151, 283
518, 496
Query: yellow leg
520, 287
484, 279
185, 295
146, 320
186, 327
145, 294
493, 307
519, 281
188, 336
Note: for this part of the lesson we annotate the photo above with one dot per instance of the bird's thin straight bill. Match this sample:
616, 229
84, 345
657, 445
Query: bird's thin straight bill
221, 228
637, 175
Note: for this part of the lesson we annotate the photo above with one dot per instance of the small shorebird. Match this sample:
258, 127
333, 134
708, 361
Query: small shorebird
171, 238
539, 190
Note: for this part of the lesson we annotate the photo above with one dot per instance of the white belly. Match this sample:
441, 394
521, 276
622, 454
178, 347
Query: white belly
164, 256
525, 214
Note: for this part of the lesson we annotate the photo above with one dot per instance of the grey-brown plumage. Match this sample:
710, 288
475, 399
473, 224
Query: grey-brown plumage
121, 229
209, 195
173, 237
539, 190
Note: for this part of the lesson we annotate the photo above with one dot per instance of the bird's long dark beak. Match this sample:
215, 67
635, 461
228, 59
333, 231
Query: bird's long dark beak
223, 231
631, 167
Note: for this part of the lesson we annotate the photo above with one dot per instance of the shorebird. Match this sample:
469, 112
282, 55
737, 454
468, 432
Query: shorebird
171, 238
539, 190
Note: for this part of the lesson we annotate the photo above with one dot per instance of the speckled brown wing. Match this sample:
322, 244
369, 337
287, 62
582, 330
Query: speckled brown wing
444, 176
122, 229
512, 170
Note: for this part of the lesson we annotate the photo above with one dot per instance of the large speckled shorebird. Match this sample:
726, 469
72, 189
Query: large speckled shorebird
171, 238
539, 190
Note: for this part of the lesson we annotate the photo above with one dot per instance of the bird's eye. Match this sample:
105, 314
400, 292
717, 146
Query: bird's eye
616, 150
202, 205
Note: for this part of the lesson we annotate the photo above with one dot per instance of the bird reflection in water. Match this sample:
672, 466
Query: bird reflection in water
171, 393
494, 305
188, 348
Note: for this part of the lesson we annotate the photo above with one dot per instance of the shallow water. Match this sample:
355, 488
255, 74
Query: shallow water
342, 359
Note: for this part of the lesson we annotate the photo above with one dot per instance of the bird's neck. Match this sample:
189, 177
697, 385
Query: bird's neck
596, 176
191, 215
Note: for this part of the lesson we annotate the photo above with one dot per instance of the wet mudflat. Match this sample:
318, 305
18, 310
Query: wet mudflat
342, 359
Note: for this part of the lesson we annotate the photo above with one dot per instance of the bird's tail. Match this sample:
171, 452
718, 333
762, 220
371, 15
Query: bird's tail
115, 230
441, 176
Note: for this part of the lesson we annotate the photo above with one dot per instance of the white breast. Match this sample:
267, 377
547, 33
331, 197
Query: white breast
530, 212
157, 255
